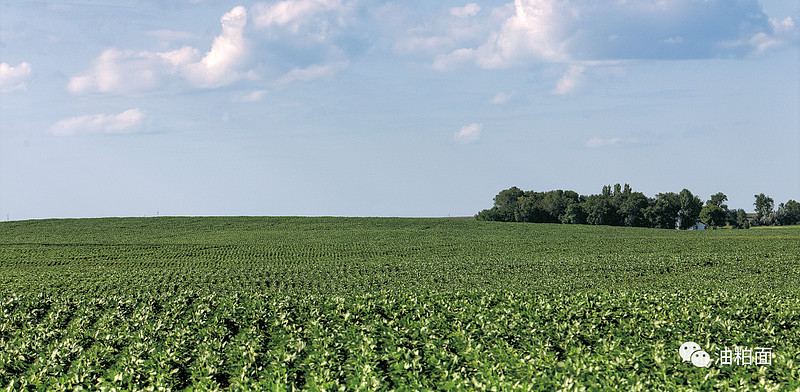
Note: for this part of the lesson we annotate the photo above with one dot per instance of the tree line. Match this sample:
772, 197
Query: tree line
621, 206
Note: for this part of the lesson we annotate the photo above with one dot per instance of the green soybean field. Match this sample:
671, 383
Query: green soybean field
362, 304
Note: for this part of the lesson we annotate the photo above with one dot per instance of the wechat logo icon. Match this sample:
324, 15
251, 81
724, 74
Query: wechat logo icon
691, 352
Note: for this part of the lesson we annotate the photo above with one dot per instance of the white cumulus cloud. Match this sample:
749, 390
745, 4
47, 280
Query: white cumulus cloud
218, 66
125, 122
469, 134
531, 32
15, 78
121, 71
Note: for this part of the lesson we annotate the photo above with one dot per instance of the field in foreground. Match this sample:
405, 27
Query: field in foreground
382, 303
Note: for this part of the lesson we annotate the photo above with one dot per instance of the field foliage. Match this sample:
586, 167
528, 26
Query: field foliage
390, 304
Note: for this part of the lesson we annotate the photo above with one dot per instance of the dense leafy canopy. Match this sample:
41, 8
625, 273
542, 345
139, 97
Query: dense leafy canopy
621, 206
615, 206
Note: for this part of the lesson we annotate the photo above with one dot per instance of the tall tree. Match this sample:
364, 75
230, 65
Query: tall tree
764, 206
555, 203
715, 213
663, 210
505, 206
633, 209
530, 209
574, 214
508, 198
713, 216
689, 212
791, 213
741, 221
599, 211
718, 199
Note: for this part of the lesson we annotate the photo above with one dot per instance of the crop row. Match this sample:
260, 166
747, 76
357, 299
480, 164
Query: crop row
392, 340
325, 276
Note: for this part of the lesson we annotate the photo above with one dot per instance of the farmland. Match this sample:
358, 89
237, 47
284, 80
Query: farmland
387, 303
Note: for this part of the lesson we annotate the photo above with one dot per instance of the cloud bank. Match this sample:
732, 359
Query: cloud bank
558, 31
282, 42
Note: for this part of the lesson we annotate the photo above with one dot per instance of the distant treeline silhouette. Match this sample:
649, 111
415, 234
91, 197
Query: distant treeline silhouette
621, 206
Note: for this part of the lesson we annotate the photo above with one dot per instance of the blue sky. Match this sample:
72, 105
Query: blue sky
390, 108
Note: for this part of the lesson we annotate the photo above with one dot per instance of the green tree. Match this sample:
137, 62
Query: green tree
713, 216
555, 203
569, 198
599, 211
508, 198
742, 221
633, 209
791, 213
764, 207
716, 213
574, 214
505, 206
689, 212
718, 199
491, 214
529, 209
663, 210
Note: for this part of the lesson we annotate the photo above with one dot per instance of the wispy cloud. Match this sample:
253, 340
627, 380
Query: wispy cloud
598, 142
291, 13
431, 36
503, 97
312, 72
125, 122
15, 78
466, 11
309, 39
468, 134
167, 37
571, 80
120, 71
253, 96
